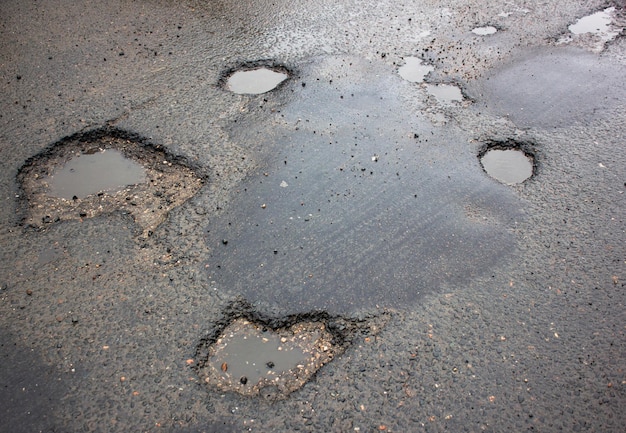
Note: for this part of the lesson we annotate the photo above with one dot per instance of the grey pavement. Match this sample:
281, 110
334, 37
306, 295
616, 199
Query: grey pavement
347, 194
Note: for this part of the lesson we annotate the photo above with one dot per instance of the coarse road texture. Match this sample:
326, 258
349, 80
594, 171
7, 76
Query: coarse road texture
346, 194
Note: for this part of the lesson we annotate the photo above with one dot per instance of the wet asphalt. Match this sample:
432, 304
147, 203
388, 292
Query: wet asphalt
346, 192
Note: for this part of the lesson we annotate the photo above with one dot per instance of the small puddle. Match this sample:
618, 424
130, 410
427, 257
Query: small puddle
103, 171
255, 81
248, 357
413, 70
484, 31
594, 23
509, 166
445, 93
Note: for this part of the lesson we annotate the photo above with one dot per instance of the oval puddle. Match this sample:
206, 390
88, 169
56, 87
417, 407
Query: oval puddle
509, 166
485, 31
413, 70
255, 81
87, 174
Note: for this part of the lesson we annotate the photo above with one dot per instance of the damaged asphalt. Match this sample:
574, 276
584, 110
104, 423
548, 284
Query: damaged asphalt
347, 197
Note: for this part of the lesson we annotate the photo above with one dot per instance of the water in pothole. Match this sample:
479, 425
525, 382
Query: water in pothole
445, 93
247, 357
413, 70
102, 171
509, 166
484, 31
594, 23
255, 81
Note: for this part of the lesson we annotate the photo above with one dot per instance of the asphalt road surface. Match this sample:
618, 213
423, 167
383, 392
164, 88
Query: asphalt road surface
348, 196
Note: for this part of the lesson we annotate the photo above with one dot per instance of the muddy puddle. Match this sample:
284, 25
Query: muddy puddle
485, 31
253, 358
86, 174
445, 93
509, 166
100, 172
414, 70
255, 81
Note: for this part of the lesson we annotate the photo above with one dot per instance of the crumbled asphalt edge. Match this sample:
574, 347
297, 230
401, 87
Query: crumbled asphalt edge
620, 20
62, 148
529, 148
251, 65
343, 330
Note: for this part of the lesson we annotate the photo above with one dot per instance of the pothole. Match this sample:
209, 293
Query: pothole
270, 358
507, 163
104, 171
414, 70
597, 23
255, 81
593, 31
445, 93
485, 31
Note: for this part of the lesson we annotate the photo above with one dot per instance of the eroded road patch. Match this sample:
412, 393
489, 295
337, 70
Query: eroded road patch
103, 171
257, 356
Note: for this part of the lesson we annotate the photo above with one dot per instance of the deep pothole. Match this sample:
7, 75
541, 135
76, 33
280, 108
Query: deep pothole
255, 78
258, 356
103, 171
510, 163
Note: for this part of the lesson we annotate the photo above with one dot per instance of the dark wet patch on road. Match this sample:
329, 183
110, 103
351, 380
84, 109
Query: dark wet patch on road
103, 171
553, 87
261, 356
508, 162
358, 204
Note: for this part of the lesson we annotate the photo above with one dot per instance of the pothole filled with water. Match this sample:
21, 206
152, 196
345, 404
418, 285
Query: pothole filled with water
594, 30
596, 23
273, 358
510, 166
255, 81
414, 70
91, 173
485, 31
445, 93
104, 171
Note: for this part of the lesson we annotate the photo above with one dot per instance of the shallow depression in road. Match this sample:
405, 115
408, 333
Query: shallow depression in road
255, 81
413, 70
445, 93
485, 31
86, 174
598, 22
248, 357
510, 166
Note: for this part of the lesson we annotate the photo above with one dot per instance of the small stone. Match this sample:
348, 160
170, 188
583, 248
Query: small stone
29, 292
224, 366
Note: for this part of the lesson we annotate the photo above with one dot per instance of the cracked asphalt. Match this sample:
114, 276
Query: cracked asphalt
347, 192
